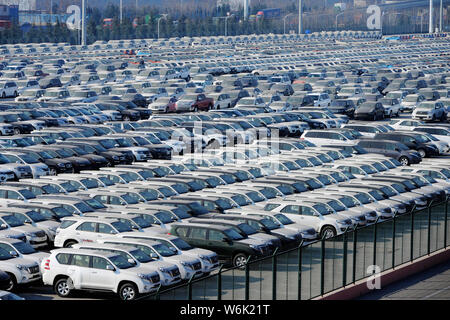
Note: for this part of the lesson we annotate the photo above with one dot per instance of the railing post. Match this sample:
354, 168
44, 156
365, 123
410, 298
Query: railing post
274, 274
322, 268
247, 280
429, 229
219, 284
412, 237
300, 271
344, 261
375, 229
189, 297
355, 239
446, 222
394, 220
157, 297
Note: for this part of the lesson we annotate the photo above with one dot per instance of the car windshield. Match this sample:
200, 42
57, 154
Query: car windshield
349, 202
322, 209
336, 205
35, 216
61, 212
122, 226
270, 224
164, 250
180, 187
247, 229
83, 207
363, 198
12, 221
378, 195
181, 244
233, 234
23, 247
140, 255
121, 262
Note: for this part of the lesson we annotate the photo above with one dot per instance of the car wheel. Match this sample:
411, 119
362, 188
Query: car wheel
167, 110
16, 131
390, 114
126, 118
195, 109
69, 244
404, 161
374, 117
240, 260
128, 291
52, 172
62, 287
328, 232
3, 95
15, 94
12, 283
433, 118
422, 153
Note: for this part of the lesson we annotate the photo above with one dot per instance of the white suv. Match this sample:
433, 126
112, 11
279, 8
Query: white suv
68, 269
327, 223
75, 230
20, 270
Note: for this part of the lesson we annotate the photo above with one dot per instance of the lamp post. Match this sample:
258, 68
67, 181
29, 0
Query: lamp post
441, 16
284, 22
430, 26
83, 22
121, 8
300, 14
337, 19
163, 16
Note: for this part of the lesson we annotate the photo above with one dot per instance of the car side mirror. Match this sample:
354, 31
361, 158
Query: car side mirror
154, 256
110, 267
131, 261
13, 253
226, 240
3, 226
113, 232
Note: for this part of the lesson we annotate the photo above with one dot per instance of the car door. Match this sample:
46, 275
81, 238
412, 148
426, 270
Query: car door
197, 237
99, 276
86, 232
217, 242
79, 271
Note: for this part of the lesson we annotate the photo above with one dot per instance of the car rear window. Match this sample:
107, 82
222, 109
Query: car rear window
66, 223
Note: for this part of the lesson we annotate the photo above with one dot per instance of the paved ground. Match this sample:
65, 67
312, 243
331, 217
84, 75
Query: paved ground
433, 284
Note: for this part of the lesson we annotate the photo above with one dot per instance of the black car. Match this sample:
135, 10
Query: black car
54, 163
343, 106
370, 111
127, 115
393, 149
13, 119
114, 158
412, 141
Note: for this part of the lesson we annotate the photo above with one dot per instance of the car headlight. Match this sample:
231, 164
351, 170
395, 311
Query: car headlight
142, 276
53, 229
115, 157
254, 247
343, 222
20, 267
61, 165
29, 234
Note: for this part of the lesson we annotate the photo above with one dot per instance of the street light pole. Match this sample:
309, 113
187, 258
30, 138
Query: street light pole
337, 19
430, 26
159, 19
284, 22
83, 22
441, 16
120, 11
300, 14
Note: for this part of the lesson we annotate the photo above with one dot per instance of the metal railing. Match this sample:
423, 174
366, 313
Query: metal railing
325, 265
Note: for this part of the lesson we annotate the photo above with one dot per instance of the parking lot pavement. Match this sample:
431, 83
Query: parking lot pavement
432, 284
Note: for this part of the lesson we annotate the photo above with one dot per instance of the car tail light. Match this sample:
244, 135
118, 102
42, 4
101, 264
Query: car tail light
47, 264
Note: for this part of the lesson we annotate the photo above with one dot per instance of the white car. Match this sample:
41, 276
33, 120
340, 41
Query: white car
37, 168
169, 273
407, 124
321, 100
36, 237
392, 107
322, 137
22, 249
189, 267
441, 133
208, 258
20, 270
69, 269
8, 89
316, 215
75, 230
430, 111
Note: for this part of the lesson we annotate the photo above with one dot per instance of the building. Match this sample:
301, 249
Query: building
24, 5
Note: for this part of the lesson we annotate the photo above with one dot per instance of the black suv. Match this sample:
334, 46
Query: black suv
223, 240
393, 149
412, 141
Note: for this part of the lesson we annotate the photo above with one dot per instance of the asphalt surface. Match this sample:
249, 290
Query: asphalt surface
433, 284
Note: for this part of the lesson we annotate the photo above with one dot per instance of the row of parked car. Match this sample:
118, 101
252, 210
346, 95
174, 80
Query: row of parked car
111, 166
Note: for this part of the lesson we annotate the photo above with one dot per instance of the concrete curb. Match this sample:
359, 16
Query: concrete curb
400, 272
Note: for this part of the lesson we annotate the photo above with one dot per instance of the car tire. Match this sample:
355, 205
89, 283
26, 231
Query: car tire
374, 117
3, 95
128, 291
240, 260
12, 282
126, 118
16, 131
422, 152
15, 94
404, 161
69, 243
195, 109
328, 232
62, 287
